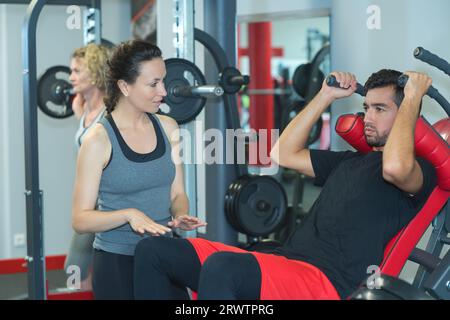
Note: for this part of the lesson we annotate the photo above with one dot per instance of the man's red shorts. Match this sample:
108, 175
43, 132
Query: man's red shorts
282, 278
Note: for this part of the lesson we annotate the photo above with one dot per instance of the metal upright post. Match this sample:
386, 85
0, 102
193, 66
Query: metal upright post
184, 43
220, 24
35, 251
33, 195
92, 26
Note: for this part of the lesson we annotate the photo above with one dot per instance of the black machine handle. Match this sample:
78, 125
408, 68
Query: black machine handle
432, 93
332, 82
432, 59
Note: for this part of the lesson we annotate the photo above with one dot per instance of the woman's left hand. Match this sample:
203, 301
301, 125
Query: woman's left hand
186, 223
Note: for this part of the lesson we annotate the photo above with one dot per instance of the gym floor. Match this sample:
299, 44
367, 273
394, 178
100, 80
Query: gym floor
15, 287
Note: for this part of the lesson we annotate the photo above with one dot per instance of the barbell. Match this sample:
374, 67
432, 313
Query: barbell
186, 87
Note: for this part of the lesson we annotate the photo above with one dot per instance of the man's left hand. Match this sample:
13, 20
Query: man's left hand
417, 85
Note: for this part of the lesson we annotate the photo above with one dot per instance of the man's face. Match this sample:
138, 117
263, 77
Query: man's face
380, 111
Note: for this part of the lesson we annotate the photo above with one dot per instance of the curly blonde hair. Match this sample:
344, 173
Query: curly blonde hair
95, 57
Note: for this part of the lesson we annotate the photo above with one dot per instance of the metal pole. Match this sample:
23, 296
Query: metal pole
220, 24
184, 42
92, 25
35, 251
33, 196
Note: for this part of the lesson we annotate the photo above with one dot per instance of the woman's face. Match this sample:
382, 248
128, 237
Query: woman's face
147, 92
79, 76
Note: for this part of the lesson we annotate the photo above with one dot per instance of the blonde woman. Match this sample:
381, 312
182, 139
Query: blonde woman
88, 80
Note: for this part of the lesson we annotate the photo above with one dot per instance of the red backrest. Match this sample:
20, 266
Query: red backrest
351, 128
430, 145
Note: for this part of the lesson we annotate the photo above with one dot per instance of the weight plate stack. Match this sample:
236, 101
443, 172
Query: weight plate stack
256, 205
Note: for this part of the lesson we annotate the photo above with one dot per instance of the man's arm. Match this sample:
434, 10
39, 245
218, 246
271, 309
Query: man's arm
399, 164
290, 150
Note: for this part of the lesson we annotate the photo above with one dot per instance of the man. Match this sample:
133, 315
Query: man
366, 199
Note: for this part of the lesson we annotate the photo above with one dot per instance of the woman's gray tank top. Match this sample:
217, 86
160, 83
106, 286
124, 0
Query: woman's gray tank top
82, 130
133, 180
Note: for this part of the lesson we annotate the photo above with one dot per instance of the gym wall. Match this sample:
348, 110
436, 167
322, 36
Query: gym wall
57, 151
405, 25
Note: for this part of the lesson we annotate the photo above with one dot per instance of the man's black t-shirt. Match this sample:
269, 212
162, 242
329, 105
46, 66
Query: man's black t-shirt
355, 216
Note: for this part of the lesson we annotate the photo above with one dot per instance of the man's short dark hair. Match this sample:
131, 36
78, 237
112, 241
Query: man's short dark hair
386, 78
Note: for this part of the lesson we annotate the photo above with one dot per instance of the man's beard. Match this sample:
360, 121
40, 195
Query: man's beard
375, 140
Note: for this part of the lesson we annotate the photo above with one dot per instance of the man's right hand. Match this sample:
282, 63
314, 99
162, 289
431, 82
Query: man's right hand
140, 223
348, 86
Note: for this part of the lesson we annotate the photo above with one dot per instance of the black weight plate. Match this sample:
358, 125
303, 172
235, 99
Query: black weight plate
181, 72
253, 218
240, 185
230, 201
225, 75
315, 84
291, 112
301, 78
260, 206
229, 198
52, 88
316, 75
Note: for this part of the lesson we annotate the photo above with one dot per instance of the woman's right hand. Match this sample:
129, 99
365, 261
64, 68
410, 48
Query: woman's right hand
140, 223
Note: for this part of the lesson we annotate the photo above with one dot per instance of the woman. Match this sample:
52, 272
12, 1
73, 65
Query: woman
89, 82
127, 162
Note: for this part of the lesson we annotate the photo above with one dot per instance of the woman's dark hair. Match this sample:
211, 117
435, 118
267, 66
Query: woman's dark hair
124, 64
386, 78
